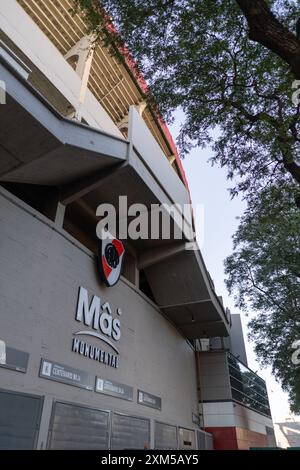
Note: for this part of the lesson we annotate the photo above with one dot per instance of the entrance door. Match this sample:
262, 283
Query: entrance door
20, 416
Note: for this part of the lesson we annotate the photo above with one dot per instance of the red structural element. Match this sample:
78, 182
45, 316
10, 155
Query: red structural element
224, 438
234, 438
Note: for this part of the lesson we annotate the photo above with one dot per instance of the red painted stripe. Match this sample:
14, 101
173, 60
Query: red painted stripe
107, 269
119, 246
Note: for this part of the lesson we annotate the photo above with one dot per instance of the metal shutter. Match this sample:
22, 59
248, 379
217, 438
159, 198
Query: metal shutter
205, 440
187, 439
77, 427
129, 432
20, 416
209, 442
201, 440
165, 436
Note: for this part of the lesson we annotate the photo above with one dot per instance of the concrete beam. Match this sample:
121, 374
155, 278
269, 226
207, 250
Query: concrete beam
84, 51
124, 123
204, 325
186, 304
156, 255
141, 107
73, 191
60, 215
171, 159
50, 206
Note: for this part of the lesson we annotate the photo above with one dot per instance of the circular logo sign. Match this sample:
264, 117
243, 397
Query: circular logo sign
112, 256
111, 260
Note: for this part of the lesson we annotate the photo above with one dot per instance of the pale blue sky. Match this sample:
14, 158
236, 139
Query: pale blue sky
209, 186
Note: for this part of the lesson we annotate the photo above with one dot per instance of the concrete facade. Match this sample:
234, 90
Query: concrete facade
70, 141
39, 290
31, 41
237, 342
233, 425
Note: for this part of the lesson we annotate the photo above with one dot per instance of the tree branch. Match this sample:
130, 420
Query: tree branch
265, 29
268, 296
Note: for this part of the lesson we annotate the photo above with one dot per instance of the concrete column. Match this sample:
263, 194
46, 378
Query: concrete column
60, 215
45, 423
84, 51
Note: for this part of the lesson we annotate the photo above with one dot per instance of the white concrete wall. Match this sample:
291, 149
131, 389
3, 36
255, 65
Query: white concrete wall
230, 414
28, 37
41, 271
154, 158
214, 376
237, 341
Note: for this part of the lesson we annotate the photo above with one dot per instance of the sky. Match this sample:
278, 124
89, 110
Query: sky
209, 188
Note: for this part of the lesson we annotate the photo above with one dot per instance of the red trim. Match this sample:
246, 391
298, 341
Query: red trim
235, 438
224, 438
119, 246
107, 269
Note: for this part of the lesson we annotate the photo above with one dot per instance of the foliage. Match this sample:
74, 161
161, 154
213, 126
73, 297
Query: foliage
264, 274
197, 56
211, 59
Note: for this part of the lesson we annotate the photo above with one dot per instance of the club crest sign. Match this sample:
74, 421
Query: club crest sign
111, 260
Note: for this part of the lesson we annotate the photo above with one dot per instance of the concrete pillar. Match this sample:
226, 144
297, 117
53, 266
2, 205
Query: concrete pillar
83, 50
45, 423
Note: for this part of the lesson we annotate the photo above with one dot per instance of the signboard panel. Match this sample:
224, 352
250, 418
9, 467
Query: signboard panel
114, 389
66, 374
13, 359
147, 399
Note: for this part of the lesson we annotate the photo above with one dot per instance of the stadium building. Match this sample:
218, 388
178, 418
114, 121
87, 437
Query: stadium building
150, 360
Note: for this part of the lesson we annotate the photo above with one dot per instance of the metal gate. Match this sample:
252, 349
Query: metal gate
130, 432
20, 416
209, 442
78, 427
165, 436
205, 440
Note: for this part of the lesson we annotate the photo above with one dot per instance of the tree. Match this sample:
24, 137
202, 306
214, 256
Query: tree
265, 29
228, 65
264, 274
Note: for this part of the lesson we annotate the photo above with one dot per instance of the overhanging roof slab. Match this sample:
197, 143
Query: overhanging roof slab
127, 182
182, 289
39, 146
204, 330
51, 150
203, 311
178, 280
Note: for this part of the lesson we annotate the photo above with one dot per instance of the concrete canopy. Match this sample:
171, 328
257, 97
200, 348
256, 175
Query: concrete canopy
38, 146
184, 293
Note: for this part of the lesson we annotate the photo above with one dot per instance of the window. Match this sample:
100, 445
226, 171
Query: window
247, 387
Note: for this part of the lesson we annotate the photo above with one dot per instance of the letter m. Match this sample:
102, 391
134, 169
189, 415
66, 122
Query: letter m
85, 311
